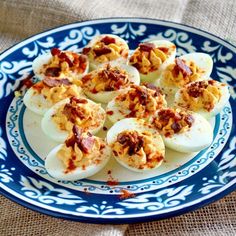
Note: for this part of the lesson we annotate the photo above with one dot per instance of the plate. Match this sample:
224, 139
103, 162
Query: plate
115, 195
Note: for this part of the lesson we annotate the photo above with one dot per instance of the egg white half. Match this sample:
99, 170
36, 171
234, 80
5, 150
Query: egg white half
93, 65
133, 124
51, 129
56, 168
44, 59
153, 76
218, 106
202, 60
106, 96
198, 137
36, 102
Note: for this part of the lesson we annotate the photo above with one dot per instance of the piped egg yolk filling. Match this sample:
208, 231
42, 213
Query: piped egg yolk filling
55, 90
169, 121
81, 150
141, 101
106, 79
78, 112
201, 95
181, 73
148, 58
64, 64
137, 149
106, 49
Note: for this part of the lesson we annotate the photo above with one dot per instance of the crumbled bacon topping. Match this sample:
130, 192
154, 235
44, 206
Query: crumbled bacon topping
196, 89
72, 111
181, 66
56, 82
146, 46
131, 140
108, 40
101, 51
85, 144
53, 71
86, 50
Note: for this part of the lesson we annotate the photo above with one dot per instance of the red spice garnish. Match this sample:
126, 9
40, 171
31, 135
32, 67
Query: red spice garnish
110, 113
126, 194
183, 67
108, 40
71, 166
112, 182
147, 47
102, 51
86, 50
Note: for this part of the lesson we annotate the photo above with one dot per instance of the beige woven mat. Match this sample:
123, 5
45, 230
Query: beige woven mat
23, 18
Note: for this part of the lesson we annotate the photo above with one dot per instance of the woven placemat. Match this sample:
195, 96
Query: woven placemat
20, 19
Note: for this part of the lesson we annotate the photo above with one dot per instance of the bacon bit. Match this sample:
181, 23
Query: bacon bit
65, 58
82, 58
83, 167
126, 194
153, 87
56, 82
27, 82
164, 49
176, 127
86, 50
189, 119
183, 67
109, 172
105, 128
86, 144
53, 71
196, 89
108, 40
110, 113
55, 51
131, 140
101, 51
86, 78
78, 100
147, 47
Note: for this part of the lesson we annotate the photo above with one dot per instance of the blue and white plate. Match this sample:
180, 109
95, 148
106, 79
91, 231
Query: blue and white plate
183, 183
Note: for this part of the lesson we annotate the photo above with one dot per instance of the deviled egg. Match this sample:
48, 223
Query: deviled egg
136, 145
137, 102
60, 64
185, 69
106, 48
108, 81
182, 130
150, 58
44, 94
82, 155
58, 121
204, 97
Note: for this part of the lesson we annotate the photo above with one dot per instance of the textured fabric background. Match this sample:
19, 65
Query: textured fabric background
22, 18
